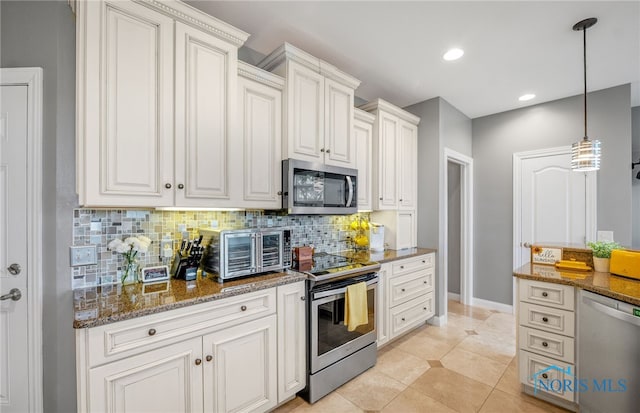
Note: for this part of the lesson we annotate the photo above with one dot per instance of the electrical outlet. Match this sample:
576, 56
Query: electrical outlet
83, 255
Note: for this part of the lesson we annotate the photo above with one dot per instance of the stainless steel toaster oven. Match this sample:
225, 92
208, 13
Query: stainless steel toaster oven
233, 253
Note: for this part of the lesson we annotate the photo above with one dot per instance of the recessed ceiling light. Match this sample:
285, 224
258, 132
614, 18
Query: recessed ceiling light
453, 54
526, 97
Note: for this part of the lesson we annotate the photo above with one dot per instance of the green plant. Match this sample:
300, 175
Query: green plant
602, 249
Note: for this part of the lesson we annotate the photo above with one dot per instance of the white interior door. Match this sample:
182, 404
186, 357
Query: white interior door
555, 203
14, 269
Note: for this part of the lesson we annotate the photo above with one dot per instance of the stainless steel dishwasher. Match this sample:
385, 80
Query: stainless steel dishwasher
608, 355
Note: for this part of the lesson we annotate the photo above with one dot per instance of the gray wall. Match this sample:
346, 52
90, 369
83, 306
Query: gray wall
42, 34
552, 124
441, 126
453, 227
635, 186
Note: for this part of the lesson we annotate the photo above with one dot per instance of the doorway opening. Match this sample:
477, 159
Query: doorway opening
457, 243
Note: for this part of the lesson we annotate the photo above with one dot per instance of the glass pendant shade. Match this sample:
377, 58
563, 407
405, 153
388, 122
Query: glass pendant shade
585, 155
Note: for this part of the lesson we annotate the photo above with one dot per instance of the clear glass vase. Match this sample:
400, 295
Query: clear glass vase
129, 273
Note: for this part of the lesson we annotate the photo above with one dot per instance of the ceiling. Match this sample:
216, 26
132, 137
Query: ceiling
396, 48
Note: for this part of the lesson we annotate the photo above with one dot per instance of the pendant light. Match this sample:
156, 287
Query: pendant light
585, 154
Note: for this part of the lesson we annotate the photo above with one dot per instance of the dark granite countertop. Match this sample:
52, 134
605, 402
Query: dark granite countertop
614, 286
387, 255
95, 306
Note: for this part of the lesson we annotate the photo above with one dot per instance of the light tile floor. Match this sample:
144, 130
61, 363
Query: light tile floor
467, 366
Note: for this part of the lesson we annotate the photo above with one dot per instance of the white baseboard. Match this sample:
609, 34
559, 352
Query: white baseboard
453, 296
492, 305
438, 321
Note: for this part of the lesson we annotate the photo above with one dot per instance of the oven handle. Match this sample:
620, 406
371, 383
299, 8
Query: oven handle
323, 294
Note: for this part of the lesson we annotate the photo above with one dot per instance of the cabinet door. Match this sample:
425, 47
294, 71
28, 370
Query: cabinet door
240, 368
362, 135
163, 380
387, 161
292, 313
382, 312
407, 165
305, 113
339, 145
261, 116
407, 229
206, 159
125, 105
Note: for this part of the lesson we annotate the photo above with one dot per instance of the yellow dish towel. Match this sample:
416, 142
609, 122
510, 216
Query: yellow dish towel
355, 306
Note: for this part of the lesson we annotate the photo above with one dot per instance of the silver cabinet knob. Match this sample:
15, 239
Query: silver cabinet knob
14, 294
180, 186
328, 150
14, 269
526, 245
322, 150
167, 185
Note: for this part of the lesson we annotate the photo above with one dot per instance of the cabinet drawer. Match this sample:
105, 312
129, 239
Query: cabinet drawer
547, 319
553, 295
411, 314
412, 264
547, 375
125, 338
547, 344
410, 286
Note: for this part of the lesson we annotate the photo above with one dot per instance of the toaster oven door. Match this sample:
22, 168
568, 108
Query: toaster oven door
271, 251
239, 255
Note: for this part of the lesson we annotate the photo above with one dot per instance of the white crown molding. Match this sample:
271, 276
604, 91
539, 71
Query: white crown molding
289, 52
192, 16
364, 116
381, 104
260, 75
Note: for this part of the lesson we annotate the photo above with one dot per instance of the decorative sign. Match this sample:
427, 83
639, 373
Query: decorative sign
155, 274
545, 255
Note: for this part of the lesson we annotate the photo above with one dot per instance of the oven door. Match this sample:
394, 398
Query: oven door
271, 250
330, 340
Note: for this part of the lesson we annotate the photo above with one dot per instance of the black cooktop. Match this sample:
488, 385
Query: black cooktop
327, 266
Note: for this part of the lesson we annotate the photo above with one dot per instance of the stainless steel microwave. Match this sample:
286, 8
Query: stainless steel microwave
316, 188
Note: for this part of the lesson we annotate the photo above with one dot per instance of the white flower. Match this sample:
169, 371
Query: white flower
114, 244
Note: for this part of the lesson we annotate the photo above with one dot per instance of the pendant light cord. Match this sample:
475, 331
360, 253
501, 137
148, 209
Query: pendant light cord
584, 44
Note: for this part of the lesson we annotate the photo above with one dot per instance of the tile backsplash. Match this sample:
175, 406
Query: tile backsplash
100, 226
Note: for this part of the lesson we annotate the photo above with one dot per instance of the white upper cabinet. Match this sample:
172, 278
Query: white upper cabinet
126, 108
395, 145
362, 137
318, 107
408, 165
205, 114
338, 120
260, 111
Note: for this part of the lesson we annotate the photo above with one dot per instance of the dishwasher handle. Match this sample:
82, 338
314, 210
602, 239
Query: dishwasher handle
612, 312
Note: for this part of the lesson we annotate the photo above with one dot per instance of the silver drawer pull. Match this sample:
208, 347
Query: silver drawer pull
209, 357
402, 318
424, 282
424, 308
152, 331
402, 267
198, 362
545, 344
545, 319
545, 376
545, 294
424, 262
243, 308
402, 290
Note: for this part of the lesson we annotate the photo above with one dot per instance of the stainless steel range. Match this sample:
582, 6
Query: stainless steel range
336, 355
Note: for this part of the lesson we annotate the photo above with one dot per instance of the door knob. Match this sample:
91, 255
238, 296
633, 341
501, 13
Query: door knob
14, 269
14, 295
526, 245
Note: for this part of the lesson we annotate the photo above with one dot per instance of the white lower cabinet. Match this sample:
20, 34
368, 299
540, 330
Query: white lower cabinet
382, 312
239, 354
546, 340
408, 295
162, 380
240, 372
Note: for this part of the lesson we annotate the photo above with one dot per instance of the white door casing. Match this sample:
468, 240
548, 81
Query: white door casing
20, 239
466, 227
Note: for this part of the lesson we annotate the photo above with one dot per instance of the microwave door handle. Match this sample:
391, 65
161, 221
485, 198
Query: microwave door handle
350, 192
